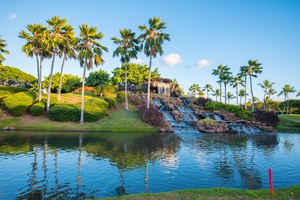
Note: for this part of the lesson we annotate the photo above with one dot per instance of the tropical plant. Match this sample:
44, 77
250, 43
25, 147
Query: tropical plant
266, 85
152, 40
220, 71
96, 78
253, 68
216, 93
242, 93
90, 52
208, 88
195, 88
10, 76
2, 50
127, 49
270, 92
226, 79
230, 96
35, 47
235, 82
243, 74
68, 82
285, 91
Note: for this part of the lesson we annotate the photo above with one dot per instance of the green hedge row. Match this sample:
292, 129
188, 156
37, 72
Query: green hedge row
111, 102
18, 103
38, 108
12, 89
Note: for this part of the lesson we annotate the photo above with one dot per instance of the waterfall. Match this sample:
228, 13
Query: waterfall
187, 113
163, 88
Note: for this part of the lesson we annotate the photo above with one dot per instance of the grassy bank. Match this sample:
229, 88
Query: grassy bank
218, 193
289, 122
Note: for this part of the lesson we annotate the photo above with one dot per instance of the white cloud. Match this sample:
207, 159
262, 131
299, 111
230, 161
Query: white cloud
171, 59
13, 16
137, 61
203, 63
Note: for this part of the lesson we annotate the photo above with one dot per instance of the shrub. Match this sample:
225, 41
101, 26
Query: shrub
111, 102
209, 121
12, 89
53, 100
152, 116
135, 99
64, 113
121, 96
105, 91
93, 111
202, 101
268, 117
18, 103
4, 93
37, 108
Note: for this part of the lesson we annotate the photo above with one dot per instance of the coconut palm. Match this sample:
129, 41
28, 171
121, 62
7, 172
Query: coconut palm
270, 92
266, 85
285, 91
235, 82
55, 36
2, 50
152, 40
230, 96
208, 88
35, 47
220, 71
90, 52
216, 93
243, 74
127, 49
242, 93
253, 68
195, 88
66, 50
226, 79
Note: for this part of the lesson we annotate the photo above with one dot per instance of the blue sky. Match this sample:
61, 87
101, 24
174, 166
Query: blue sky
204, 34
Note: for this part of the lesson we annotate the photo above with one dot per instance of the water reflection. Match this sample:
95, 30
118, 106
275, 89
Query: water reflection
87, 165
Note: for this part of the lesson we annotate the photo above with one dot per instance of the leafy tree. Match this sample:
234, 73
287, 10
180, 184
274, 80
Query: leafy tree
285, 91
68, 82
10, 76
235, 82
195, 88
253, 68
90, 52
127, 49
152, 40
220, 71
2, 50
207, 88
270, 92
226, 78
35, 47
230, 96
266, 85
216, 93
96, 78
242, 93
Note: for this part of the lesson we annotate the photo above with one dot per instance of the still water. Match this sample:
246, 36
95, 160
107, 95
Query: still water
65, 165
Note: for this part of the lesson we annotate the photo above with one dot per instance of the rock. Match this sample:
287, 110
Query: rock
177, 115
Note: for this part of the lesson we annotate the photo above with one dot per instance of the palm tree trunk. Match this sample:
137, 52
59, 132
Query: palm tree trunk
61, 75
38, 73
265, 103
82, 93
237, 95
126, 96
50, 82
220, 92
149, 76
245, 92
287, 103
40, 79
252, 94
225, 93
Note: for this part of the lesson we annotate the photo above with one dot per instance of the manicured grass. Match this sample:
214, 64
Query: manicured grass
289, 122
218, 193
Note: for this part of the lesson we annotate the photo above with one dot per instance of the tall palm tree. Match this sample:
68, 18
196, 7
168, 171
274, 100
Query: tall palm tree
235, 82
152, 40
230, 96
226, 79
35, 47
56, 35
208, 88
90, 52
195, 88
243, 74
266, 85
220, 71
285, 91
127, 49
242, 93
2, 50
66, 50
253, 68
270, 92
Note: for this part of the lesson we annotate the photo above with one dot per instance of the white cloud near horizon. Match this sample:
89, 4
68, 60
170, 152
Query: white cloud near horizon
12, 16
137, 61
203, 63
171, 59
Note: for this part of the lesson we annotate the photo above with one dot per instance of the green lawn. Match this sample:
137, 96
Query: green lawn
289, 122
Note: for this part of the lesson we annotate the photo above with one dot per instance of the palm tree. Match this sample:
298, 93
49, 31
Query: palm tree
66, 50
208, 88
242, 93
253, 68
2, 50
220, 71
266, 85
195, 88
35, 47
226, 79
235, 82
152, 40
230, 96
56, 34
90, 50
285, 91
127, 48
298, 94
243, 74
270, 92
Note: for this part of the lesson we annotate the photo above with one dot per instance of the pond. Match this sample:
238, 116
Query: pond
64, 165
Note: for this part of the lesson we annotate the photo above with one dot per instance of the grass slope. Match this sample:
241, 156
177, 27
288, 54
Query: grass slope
289, 122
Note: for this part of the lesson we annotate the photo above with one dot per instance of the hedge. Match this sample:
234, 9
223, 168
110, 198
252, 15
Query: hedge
38, 108
64, 113
111, 102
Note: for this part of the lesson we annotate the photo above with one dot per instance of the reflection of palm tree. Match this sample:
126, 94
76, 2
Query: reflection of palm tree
45, 167
121, 189
78, 178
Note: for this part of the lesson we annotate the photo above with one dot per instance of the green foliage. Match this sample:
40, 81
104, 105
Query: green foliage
18, 103
12, 89
152, 116
238, 111
100, 77
4, 93
209, 121
53, 100
121, 96
69, 82
38, 108
268, 117
94, 110
10, 76
111, 102
64, 112
105, 90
